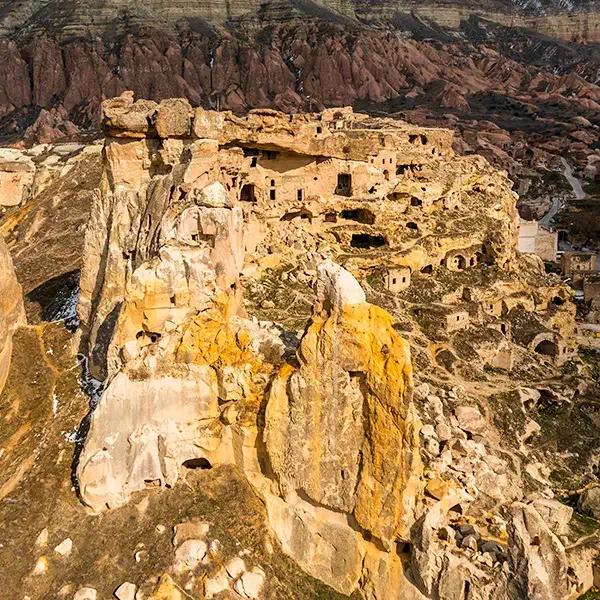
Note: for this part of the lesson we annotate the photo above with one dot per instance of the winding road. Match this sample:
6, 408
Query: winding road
558, 203
573, 181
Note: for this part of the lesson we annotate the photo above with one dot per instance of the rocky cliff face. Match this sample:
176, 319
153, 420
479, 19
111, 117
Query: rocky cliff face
12, 313
351, 355
472, 63
196, 307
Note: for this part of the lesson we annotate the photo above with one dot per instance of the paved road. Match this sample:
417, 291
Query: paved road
573, 181
556, 206
558, 203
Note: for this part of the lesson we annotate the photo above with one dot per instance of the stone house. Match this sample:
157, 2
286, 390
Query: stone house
538, 240
575, 264
397, 279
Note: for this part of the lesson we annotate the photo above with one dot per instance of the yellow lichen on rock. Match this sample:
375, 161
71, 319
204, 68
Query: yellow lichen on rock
167, 590
12, 313
340, 429
210, 338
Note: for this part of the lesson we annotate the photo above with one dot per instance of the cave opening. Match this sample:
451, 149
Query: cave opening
547, 348
344, 184
365, 240
197, 463
302, 214
361, 215
248, 193
460, 262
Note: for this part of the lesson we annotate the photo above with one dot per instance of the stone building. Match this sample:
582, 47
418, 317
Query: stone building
576, 264
591, 296
445, 318
591, 288
537, 239
397, 279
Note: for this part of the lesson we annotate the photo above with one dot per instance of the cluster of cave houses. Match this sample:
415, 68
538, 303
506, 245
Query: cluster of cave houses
580, 268
334, 172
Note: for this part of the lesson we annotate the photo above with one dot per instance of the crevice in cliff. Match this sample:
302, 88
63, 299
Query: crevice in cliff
57, 299
93, 389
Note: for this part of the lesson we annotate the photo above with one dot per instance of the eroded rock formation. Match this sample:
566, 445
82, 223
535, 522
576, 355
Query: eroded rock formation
12, 312
367, 485
178, 355
349, 404
342, 437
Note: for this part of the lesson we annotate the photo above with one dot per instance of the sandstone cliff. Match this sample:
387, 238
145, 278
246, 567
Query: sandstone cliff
12, 313
227, 336
348, 403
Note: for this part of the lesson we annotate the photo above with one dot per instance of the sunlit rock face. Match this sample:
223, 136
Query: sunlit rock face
317, 408
12, 312
16, 177
178, 355
341, 433
340, 429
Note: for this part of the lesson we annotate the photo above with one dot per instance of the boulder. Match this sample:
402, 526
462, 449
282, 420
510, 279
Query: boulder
64, 548
555, 514
42, 539
173, 118
125, 118
589, 502
470, 419
250, 583
216, 584
85, 593
235, 567
537, 559
167, 589
126, 591
190, 554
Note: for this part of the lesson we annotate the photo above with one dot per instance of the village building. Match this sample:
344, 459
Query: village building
537, 239
575, 264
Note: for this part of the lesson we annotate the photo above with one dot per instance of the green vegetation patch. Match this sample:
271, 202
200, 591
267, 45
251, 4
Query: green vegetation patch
508, 415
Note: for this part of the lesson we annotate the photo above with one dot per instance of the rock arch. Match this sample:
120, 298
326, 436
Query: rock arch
546, 345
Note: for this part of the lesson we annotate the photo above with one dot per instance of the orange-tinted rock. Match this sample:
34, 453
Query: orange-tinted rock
341, 430
12, 313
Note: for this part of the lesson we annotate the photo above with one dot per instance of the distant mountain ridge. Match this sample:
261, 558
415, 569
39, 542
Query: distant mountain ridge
60, 58
68, 17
